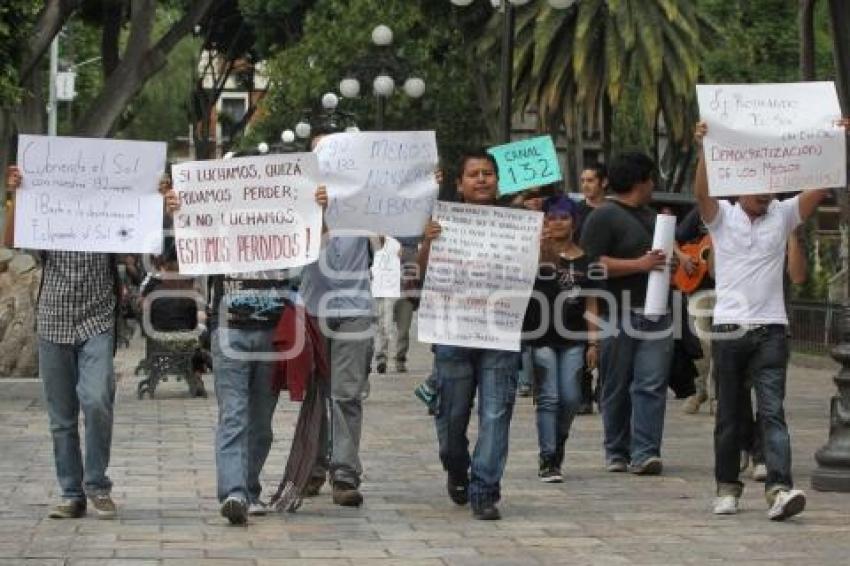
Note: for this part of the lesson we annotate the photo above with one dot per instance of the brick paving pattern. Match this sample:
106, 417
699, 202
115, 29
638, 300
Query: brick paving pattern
164, 475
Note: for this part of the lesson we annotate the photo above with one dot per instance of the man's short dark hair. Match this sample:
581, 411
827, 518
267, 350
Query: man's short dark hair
475, 154
629, 168
598, 169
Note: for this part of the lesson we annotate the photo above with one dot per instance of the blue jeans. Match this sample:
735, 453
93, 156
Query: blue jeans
75, 377
634, 369
460, 371
246, 406
558, 397
526, 367
761, 354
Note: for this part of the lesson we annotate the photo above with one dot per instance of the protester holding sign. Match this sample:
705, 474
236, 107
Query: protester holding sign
461, 371
76, 342
636, 352
750, 330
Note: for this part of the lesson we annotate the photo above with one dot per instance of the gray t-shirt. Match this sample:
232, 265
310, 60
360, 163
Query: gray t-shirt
622, 232
337, 285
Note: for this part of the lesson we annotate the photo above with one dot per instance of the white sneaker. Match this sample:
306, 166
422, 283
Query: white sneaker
759, 472
258, 509
726, 505
787, 504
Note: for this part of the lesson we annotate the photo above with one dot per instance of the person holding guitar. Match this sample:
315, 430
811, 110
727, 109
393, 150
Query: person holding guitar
698, 285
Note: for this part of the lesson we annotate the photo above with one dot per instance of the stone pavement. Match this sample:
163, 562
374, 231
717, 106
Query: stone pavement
163, 469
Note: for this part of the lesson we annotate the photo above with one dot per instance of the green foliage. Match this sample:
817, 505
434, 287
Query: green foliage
274, 22
761, 41
337, 41
16, 19
643, 52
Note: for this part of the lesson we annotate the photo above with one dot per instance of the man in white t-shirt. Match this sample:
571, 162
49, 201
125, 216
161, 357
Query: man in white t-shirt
749, 333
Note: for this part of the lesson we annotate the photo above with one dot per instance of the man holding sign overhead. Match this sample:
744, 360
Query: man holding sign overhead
750, 323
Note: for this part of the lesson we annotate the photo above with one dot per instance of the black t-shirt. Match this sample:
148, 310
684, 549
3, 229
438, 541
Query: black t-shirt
622, 232
559, 290
168, 313
253, 301
584, 211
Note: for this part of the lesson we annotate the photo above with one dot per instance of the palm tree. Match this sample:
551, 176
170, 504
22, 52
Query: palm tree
576, 65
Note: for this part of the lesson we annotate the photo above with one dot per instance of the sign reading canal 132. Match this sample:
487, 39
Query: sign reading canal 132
527, 163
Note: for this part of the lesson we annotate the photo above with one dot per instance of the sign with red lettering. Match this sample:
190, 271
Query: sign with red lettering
770, 138
247, 214
380, 182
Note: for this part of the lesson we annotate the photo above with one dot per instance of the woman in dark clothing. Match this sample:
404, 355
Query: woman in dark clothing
561, 338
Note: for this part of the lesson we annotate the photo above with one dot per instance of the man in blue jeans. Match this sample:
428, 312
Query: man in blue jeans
246, 308
635, 358
461, 371
75, 323
749, 333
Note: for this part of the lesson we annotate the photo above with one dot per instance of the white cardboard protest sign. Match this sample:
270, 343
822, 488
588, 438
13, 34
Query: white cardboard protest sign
768, 138
481, 271
382, 182
247, 214
386, 270
89, 195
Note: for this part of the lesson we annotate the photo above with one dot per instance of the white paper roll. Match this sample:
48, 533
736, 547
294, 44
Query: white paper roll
658, 286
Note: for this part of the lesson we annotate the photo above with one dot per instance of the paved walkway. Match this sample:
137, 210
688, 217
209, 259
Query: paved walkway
164, 475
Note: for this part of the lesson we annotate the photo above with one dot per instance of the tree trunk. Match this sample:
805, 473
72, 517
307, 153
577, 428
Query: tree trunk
139, 63
50, 21
807, 40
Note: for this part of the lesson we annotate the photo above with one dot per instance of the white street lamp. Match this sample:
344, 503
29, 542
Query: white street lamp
330, 101
302, 130
414, 87
263, 148
287, 136
382, 36
383, 85
349, 88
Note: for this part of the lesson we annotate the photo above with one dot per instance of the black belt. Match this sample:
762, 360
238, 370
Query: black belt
744, 328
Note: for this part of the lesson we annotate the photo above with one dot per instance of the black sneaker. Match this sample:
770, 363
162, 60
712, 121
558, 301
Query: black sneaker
585, 409
486, 513
382, 367
458, 491
235, 510
346, 494
313, 487
68, 509
550, 474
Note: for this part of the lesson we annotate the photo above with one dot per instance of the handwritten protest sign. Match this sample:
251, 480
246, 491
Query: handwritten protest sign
481, 271
386, 270
248, 214
770, 138
527, 163
91, 195
382, 182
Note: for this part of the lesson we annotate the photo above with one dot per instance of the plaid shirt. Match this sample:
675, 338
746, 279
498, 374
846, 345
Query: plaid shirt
77, 297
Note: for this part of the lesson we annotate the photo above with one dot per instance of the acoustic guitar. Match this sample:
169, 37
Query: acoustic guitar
699, 251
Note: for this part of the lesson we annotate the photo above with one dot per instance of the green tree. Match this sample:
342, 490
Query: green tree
337, 42
16, 19
578, 66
